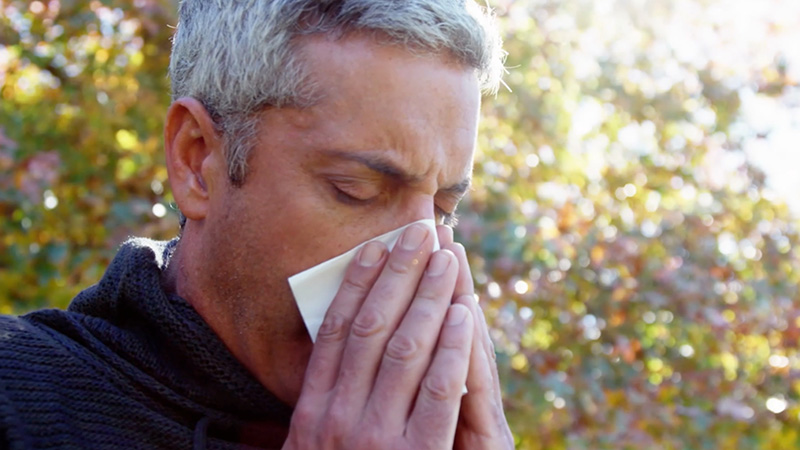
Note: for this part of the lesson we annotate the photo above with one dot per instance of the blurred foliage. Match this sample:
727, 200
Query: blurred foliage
82, 98
639, 276
641, 281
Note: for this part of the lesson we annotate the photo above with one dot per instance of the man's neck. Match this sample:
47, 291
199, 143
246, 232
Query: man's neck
275, 350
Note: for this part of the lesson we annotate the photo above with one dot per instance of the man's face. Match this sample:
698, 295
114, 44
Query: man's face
391, 141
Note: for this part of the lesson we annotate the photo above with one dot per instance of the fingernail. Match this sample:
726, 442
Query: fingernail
466, 299
438, 264
456, 315
370, 254
447, 233
413, 237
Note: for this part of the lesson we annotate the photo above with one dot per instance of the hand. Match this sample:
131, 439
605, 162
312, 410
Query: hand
391, 356
482, 422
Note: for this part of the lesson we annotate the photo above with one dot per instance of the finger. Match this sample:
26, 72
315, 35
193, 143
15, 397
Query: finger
482, 407
465, 292
408, 353
445, 235
464, 285
323, 367
433, 420
486, 339
480, 377
381, 313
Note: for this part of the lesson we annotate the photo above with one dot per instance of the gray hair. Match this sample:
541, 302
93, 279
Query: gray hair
236, 56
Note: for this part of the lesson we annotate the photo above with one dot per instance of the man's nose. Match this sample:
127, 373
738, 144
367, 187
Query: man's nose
416, 208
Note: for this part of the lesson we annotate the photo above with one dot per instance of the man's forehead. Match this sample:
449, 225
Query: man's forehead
326, 77
355, 52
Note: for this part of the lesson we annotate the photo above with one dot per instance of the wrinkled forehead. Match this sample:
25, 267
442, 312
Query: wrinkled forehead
420, 110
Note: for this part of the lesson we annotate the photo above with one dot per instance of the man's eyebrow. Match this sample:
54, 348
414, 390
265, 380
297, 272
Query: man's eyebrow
377, 164
390, 169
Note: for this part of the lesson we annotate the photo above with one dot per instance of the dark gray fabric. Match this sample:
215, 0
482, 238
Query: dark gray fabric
129, 365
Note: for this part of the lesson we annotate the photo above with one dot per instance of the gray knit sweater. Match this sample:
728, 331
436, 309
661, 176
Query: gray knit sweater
129, 366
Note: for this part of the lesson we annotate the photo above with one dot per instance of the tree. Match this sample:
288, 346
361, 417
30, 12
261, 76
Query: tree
81, 162
638, 273
641, 281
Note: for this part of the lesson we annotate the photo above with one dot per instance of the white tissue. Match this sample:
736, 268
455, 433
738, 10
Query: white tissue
315, 288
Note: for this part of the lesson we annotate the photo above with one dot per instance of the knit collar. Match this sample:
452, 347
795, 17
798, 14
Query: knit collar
169, 344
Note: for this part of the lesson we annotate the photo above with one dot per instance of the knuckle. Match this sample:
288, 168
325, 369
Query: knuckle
437, 387
426, 315
304, 414
371, 439
354, 285
372, 433
430, 294
399, 266
333, 329
401, 348
368, 322
336, 422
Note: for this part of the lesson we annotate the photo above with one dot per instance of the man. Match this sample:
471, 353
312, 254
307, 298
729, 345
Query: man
298, 130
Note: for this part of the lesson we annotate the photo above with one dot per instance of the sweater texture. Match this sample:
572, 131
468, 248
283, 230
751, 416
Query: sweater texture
129, 366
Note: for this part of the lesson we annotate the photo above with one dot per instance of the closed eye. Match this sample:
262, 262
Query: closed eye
347, 198
354, 191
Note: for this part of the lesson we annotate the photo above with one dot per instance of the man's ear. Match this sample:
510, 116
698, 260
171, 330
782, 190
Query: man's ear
194, 156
